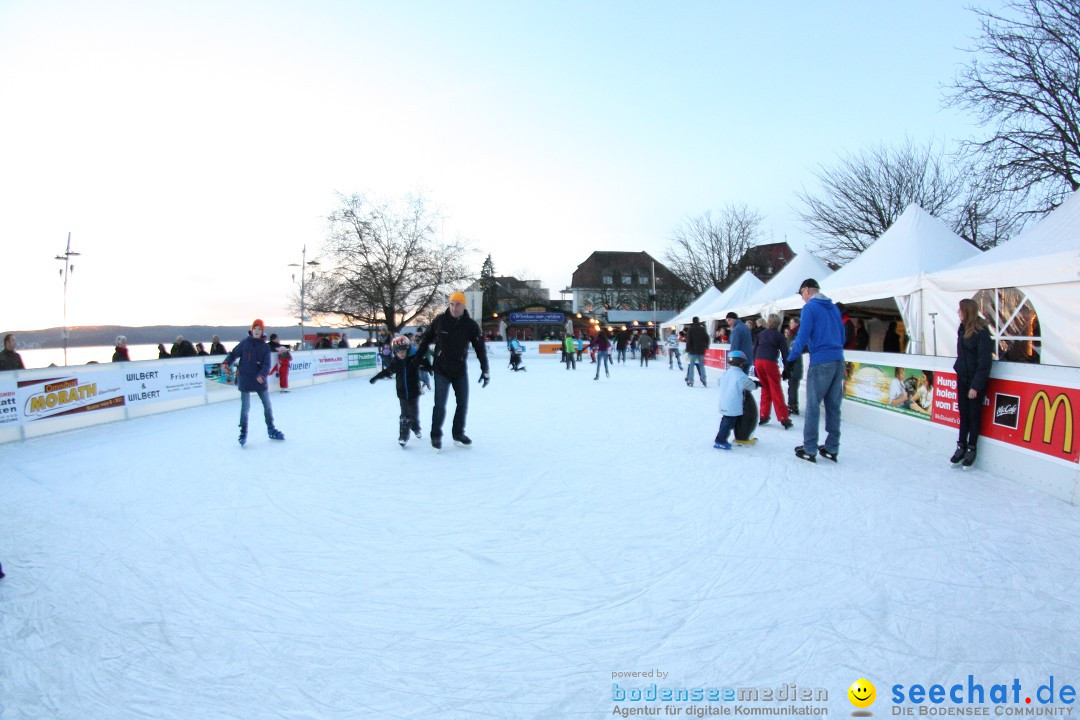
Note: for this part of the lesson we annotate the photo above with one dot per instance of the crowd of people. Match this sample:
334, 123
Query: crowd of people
763, 354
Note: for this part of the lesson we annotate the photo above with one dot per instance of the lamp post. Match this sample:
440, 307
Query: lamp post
304, 262
64, 272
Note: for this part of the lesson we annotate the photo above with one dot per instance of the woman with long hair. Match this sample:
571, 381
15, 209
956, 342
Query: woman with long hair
974, 354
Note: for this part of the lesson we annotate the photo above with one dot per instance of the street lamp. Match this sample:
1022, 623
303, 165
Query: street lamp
304, 262
64, 272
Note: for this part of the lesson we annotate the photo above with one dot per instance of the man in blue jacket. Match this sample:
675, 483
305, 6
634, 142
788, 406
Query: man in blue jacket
821, 331
254, 356
741, 339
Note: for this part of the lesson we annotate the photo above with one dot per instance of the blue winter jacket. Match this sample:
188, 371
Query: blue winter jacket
742, 340
821, 331
254, 358
733, 383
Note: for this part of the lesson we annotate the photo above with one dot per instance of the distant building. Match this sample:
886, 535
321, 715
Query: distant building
610, 280
764, 261
510, 293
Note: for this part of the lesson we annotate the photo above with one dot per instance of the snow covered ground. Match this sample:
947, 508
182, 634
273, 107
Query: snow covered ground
157, 570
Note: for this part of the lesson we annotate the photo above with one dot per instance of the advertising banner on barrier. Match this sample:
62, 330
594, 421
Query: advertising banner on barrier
362, 359
9, 404
1037, 417
68, 393
330, 362
904, 390
149, 383
716, 358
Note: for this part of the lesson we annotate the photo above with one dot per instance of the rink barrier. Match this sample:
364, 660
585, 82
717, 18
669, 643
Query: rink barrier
1030, 429
42, 401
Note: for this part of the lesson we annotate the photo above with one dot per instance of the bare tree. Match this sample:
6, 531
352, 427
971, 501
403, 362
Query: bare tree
705, 252
386, 265
865, 193
1027, 92
984, 214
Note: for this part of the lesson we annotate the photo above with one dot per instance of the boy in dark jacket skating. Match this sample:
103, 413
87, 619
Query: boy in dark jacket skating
254, 356
407, 370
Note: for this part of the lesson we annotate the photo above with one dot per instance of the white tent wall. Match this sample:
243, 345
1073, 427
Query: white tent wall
1057, 305
693, 309
736, 294
895, 266
802, 266
1043, 262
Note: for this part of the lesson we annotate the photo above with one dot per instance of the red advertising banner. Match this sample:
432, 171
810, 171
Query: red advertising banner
1037, 417
716, 358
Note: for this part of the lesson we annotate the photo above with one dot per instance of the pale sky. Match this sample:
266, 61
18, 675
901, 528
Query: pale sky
193, 148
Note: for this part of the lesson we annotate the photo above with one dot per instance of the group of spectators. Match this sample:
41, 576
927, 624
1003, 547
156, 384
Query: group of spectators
181, 348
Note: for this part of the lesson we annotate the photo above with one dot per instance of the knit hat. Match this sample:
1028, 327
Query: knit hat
457, 297
258, 324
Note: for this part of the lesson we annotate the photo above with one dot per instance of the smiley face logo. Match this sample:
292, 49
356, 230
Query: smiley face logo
862, 693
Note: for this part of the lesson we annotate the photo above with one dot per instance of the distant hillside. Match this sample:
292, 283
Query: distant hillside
152, 335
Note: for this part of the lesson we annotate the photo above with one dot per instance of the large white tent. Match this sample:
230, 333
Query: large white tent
786, 282
694, 309
736, 294
1042, 264
894, 267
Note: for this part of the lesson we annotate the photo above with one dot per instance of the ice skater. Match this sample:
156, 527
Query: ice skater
733, 384
406, 368
822, 333
452, 332
251, 372
673, 354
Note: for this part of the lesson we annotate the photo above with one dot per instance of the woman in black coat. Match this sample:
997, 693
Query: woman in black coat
974, 354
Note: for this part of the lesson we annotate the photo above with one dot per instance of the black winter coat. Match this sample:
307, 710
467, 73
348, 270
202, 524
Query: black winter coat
697, 340
452, 337
973, 358
407, 372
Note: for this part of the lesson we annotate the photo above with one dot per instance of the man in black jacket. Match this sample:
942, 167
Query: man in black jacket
9, 359
697, 342
452, 333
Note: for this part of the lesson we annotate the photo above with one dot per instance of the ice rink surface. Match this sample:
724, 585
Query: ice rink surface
157, 570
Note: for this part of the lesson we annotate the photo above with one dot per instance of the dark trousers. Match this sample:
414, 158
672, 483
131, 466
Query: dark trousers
970, 413
795, 373
245, 405
410, 416
727, 424
438, 412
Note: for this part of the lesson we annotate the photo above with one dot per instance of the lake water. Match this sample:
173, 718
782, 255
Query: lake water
44, 357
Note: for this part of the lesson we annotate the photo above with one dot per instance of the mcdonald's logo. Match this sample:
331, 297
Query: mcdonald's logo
1050, 410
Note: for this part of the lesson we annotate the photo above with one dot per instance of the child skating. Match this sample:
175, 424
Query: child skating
733, 384
251, 373
406, 368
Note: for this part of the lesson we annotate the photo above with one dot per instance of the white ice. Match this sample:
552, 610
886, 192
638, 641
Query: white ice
157, 570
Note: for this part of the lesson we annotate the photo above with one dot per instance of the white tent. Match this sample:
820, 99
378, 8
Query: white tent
1042, 264
693, 309
895, 266
736, 294
787, 281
